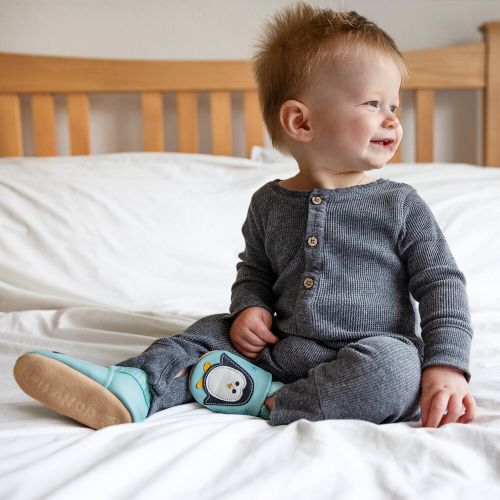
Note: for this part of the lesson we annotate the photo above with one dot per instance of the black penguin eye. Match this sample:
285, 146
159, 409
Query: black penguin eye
236, 384
234, 391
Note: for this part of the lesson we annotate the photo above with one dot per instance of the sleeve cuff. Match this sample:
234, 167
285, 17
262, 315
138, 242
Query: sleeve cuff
451, 348
236, 309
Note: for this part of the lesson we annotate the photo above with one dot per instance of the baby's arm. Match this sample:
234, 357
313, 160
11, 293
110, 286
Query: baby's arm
439, 287
255, 277
252, 298
446, 397
251, 331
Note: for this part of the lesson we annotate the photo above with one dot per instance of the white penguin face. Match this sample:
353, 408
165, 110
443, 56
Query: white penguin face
225, 383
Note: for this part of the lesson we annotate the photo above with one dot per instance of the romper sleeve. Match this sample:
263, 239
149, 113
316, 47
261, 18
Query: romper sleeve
255, 277
437, 284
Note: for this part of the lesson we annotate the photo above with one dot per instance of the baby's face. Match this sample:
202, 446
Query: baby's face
353, 113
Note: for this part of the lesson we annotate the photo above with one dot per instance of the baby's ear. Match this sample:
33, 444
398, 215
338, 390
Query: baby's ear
295, 120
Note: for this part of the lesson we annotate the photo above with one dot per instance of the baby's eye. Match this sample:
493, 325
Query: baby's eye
372, 103
394, 109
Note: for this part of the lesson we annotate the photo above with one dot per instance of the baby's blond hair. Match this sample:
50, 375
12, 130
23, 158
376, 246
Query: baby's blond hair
299, 40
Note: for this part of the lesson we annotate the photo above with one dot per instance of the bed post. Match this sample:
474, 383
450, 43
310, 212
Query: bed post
491, 33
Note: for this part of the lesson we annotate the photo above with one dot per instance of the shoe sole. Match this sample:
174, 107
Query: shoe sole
69, 392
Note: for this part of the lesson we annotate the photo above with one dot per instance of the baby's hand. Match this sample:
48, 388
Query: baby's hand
250, 331
444, 388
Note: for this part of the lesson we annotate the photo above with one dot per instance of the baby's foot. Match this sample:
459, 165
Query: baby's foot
270, 402
93, 395
227, 383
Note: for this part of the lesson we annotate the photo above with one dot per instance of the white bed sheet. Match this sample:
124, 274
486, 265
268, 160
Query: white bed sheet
189, 452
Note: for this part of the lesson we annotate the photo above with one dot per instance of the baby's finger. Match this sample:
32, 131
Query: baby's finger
438, 407
454, 410
266, 335
248, 354
248, 348
251, 338
470, 409
425, 407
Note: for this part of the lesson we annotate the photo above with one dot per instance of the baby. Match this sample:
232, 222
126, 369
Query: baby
321, 324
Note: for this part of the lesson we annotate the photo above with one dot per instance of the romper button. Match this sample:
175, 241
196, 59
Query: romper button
316, 200
312, 241
308, 282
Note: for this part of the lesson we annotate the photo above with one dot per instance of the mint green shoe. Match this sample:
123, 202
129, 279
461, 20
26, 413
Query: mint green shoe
94, 395
227, 383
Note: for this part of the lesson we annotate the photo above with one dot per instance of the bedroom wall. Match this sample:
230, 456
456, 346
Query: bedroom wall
226, 29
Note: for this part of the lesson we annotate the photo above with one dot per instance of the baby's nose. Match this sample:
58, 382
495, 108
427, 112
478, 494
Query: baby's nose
391, 121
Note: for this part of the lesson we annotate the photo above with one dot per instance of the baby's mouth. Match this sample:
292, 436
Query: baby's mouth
383, 142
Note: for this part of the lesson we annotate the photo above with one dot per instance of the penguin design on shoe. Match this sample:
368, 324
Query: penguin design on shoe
227, 383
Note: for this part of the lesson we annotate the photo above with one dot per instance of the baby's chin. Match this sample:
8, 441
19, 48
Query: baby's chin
376, 165
378, 162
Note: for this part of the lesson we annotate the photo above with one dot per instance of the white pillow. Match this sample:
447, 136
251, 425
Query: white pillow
465, 200
161, 232
140, 231
265, 154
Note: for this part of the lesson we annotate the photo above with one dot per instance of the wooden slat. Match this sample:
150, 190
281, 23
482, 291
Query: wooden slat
26, 73
457, 67
492, 96
187, 122
254, 125
424, 107
44, 124
11, 137
78, 117
152, 121
220, 119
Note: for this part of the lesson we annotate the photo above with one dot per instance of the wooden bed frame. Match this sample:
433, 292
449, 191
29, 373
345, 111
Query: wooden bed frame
471, 66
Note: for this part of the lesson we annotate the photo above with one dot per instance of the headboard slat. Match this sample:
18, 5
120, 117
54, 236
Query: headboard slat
11, 137
78, 118
455, 67
35, 74
221, 123
254, 125
424, 104
492, 95
44, 124
187, 122
152, 121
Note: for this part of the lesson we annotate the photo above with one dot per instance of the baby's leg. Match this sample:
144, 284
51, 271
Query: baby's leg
167, 360
375, 379
98, 396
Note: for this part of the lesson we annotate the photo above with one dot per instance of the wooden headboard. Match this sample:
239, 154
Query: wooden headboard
471, 66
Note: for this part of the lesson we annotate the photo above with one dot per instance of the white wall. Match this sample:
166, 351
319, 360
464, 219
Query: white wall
227, 29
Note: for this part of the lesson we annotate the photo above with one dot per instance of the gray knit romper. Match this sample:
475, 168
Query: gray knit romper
336, 268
